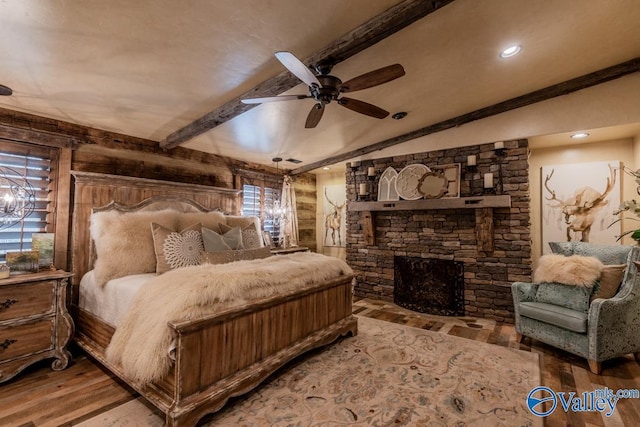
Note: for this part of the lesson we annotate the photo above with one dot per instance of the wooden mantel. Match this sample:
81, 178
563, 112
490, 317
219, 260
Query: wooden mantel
483, 204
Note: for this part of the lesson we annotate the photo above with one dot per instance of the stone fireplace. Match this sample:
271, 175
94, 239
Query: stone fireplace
444, 233
432, 286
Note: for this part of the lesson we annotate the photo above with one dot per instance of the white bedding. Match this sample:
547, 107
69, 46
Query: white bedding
111, 301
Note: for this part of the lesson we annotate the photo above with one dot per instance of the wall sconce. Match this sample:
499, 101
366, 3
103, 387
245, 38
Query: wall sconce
498, 147
472, 166
488, 187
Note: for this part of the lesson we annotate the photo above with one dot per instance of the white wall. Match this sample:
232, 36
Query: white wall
322, 180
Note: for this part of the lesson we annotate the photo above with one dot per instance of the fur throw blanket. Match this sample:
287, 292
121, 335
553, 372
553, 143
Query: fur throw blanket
568, 270
141, 342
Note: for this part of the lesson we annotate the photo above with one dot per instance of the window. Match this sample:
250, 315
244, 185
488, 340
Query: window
256, 201
35, 168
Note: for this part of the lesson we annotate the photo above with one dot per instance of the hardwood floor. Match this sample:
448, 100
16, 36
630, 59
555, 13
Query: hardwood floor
42, 397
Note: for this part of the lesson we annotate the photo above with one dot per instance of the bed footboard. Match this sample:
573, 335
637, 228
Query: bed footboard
232, 352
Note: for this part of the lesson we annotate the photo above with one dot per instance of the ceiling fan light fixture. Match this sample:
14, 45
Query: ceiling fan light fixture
511, 51
5, 90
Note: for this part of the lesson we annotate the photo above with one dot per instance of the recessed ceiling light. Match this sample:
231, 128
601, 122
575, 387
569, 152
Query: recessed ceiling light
579, 135
511, 51
5, 90
399, 116
326, 168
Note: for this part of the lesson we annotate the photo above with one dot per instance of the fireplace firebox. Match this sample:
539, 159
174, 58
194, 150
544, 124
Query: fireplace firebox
429, 285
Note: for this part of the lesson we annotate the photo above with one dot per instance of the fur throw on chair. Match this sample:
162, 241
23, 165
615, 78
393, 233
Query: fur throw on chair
568, 270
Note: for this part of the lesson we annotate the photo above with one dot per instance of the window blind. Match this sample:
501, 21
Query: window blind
256, 201
36, 170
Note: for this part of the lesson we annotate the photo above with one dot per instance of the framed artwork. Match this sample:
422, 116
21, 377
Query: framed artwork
23, 262
335, 221
43, 243
578, 201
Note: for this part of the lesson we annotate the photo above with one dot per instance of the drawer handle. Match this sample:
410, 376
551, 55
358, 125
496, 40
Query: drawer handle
6, 343
8, 303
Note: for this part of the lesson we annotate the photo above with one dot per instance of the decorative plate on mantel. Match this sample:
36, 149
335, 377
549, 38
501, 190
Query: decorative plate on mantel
409, 179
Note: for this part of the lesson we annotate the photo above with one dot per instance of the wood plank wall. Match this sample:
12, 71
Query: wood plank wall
95, 150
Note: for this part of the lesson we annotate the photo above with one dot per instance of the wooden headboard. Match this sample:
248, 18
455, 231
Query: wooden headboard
96, 192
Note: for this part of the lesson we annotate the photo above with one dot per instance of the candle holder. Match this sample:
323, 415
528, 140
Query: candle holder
353, 167
489, 191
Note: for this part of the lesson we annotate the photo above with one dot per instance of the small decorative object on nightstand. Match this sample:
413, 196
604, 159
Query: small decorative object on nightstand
34, 322
4, 271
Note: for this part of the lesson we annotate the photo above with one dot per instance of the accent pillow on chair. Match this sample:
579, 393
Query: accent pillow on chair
610, 281
567, 281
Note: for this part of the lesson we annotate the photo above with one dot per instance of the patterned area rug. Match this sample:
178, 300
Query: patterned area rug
387, 375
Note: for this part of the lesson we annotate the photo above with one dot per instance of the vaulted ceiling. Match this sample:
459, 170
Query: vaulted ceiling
150, 68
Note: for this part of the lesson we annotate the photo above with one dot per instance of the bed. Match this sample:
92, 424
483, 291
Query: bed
223, 353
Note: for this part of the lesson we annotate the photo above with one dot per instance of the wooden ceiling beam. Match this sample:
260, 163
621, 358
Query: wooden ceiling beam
564, 88
357, 40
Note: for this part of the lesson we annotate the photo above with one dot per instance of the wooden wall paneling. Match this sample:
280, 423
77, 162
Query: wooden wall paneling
62, 217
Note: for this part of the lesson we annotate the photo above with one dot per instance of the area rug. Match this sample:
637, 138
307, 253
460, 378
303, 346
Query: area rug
388, 374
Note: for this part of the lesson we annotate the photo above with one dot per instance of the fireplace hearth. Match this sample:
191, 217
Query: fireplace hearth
429, 285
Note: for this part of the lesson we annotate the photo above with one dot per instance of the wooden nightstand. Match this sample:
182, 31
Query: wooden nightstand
34, 322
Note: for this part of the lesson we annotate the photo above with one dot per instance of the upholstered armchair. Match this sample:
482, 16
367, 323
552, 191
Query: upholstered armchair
570, 318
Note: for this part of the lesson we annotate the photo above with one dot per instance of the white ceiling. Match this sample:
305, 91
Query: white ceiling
149, 67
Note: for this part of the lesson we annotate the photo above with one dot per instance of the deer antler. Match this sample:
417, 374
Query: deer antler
327, 196
553, 193
611, 181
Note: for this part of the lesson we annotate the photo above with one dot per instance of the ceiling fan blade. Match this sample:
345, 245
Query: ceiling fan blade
363, 107
273, 99
373, 78
314, 115
298, 68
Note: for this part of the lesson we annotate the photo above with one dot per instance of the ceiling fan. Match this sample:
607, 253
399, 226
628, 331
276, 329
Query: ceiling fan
324, 88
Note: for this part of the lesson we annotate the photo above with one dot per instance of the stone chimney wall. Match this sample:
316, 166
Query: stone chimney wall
450, 233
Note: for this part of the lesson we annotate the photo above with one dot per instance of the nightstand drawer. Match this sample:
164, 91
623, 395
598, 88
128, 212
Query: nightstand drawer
27, 338
26, 299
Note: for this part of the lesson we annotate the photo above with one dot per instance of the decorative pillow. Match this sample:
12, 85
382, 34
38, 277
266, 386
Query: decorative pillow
216, 242
251, 239
124, 243
224, 257
568, 270
175, 249
609, 281
245, 223
209, 220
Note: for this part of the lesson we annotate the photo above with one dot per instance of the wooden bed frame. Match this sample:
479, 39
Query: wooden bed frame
222, 355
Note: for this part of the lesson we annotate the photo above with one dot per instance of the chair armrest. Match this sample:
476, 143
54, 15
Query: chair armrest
613, 326
523, 291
